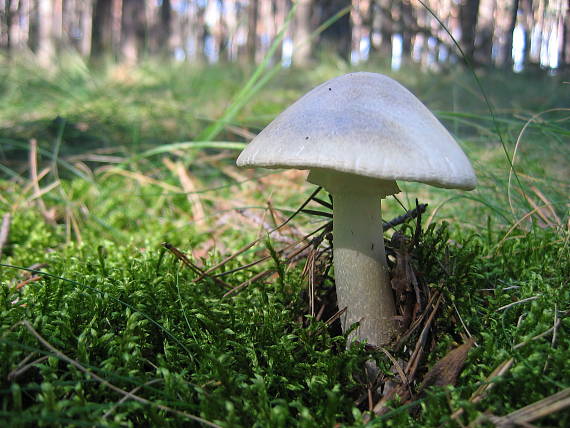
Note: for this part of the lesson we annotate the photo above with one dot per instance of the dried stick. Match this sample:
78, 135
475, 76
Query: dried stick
408, 215
181, 256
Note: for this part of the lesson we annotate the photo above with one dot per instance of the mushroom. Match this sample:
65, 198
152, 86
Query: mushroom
358, 134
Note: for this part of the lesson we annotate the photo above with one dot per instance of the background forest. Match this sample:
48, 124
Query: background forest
534, 33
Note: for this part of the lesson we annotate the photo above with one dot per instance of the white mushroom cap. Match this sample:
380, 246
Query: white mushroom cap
365, 124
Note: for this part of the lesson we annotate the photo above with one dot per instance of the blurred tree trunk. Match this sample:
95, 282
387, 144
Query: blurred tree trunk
565, 48
133, 31
199, 32
386, 27
8, 24
485, 32
5, 25
420, 42
164, 29
509, 36
196, 30
468, 14
360, 15
180, 34
302, 44
403, 25
526, 8
57, 23
231, 25
398, 30
218, 30
538, 32
266, 27
152, 12
46, 47
252, 16
18, 24
337, 36
188, 33
85, 24
69, 21
408, 26
102, 29
501, 36
281, 11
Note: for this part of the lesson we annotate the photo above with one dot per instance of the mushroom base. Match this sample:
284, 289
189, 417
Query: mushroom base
360, 268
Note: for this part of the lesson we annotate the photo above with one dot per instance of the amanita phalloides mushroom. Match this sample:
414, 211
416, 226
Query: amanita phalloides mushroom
358, 134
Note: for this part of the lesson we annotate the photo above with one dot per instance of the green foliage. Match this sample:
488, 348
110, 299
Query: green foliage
118, 307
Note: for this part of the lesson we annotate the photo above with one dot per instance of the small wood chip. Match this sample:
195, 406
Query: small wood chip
446, 370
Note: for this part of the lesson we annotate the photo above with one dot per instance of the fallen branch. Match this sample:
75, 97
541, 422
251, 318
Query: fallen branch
408, 215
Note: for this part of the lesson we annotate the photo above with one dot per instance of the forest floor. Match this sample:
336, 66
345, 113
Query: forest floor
119, 193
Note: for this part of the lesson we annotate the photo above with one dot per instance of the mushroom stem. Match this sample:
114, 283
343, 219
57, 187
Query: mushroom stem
361, 273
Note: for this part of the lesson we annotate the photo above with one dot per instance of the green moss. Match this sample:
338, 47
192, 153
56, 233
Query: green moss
116, 303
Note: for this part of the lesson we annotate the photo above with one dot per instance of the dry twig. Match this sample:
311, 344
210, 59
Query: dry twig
181, 256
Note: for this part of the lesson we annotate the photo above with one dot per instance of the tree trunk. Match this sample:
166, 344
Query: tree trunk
527, 22
501, 37
485, 32
337, 36
565, 47
4, 25
509, 36
9, 25
133, 26
281, 10
420, 51
57, 23
152, 11
165, 29
266, 27
217, 30
85, 24
360, 18
302, 33
102, 29
468, 11
7, 20
24, 23
46, 47
386, 27
251, 44
408, 26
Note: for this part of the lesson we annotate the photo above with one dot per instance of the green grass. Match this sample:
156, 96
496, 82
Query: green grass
118, 311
